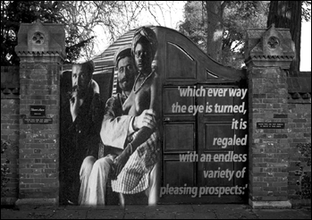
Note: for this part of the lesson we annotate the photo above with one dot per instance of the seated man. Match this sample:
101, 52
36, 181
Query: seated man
117, 129
82, 111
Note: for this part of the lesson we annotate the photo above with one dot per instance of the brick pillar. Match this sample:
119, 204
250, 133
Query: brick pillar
269, 53
41, 51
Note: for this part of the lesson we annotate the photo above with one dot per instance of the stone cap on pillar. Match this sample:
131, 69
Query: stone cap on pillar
271, 47
38, 37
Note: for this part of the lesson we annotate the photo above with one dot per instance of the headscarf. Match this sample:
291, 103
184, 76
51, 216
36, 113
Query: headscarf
149, 35
121, 53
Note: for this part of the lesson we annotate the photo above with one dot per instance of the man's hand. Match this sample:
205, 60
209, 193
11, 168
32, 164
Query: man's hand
121, 160
74, 105
147, 119
119, 163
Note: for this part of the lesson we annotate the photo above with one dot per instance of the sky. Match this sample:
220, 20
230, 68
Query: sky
170, 17
173, 16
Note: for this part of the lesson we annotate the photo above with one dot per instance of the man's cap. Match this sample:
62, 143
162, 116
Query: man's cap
121, 53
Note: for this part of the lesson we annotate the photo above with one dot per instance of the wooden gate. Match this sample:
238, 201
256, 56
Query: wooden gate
200, 112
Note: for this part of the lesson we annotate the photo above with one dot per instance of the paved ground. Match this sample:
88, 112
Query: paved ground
157, 212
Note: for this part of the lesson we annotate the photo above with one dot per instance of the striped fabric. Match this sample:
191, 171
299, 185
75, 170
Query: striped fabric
134, 177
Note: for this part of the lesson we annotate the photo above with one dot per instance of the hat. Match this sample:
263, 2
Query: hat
149, 35
121, 53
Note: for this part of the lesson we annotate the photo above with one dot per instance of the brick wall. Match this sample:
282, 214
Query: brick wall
299, 183
10, 129
268, 153
39, 143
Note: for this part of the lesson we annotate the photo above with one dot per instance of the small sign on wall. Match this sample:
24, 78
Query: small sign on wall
38, 120
37, 115
270, 125
37, 110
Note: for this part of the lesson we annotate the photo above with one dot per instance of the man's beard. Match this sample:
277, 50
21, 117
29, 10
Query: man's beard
125, 84
80, 92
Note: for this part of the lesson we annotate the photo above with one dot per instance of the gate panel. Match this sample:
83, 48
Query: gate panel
194, 152
178, 138
187, 135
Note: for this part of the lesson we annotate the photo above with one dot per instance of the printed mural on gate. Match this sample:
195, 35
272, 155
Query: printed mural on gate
219, 162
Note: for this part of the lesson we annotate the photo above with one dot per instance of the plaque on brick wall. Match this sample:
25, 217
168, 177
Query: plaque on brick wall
37, 110
37, 120
270, 125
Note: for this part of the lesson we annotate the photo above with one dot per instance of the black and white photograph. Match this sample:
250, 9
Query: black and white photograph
156, 109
